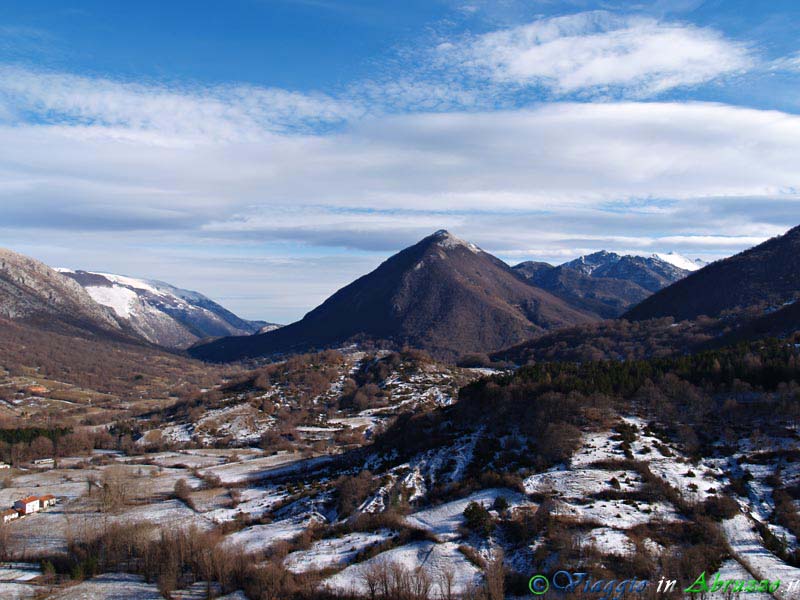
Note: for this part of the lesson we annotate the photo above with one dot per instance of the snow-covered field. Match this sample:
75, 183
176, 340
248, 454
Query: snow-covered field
580, 483
434, 559
255, 502
334, 552
260, 537
444, 520
111, 586
257, 468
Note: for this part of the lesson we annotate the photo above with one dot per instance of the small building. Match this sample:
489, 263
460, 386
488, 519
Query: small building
44, 462
9, 515
47, 501
28, 505
4, 465
36, 390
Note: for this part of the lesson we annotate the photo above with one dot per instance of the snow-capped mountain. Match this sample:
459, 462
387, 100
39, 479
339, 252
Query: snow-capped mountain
32, 292
766, 275
161, 313
607, 283
680, 261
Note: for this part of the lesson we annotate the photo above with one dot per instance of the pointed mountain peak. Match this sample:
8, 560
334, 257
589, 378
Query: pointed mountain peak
444, 239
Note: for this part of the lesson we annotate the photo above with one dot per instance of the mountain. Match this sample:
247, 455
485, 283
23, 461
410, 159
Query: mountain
33, 293
161, 313
767, 275
675, 259
606, 283
441, 294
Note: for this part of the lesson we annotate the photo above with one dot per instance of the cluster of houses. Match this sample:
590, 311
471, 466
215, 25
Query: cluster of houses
27, 506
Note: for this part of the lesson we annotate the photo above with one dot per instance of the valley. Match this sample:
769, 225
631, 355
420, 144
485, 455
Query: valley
360, 465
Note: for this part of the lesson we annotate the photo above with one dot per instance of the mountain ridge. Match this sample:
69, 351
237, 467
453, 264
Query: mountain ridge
441, 294
34, 293
767, 274
604, 283
161, 313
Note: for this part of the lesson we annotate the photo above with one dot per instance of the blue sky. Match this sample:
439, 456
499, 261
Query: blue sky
267, 152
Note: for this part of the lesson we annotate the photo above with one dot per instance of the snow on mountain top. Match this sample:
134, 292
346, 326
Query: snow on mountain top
140, 284
589, 262
448, 240
680, 261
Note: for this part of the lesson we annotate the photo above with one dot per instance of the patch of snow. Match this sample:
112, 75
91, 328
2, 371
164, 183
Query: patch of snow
748, 548
448, 240
260, 537
111, 586
444, 520
677, 260
581, 483
616, 513
435, 559
119, 299
333, 552
609, 541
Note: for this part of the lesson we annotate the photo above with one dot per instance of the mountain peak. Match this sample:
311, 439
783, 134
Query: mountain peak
442, 294
444, 239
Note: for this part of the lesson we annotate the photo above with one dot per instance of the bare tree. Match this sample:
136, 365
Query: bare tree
117, 487
445, 581
495, 574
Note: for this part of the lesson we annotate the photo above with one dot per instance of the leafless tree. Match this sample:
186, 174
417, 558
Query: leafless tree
445, 581
495, 577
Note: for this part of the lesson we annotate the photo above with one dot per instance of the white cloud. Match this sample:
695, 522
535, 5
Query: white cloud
97, 164
638, 56
787, 63
232, 112
202, 157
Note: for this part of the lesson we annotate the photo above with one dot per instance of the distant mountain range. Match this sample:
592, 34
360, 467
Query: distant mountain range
606, 284
442, 294
767, 275
97, 305
161, 313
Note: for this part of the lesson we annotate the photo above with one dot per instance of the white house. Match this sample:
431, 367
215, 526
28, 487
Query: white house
47, 501
28, 505
9, 515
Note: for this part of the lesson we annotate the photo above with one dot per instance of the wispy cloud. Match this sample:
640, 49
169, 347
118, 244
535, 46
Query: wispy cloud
221, 112
601, 52
787, 63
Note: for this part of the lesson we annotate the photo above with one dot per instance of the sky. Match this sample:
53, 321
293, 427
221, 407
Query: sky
268, 152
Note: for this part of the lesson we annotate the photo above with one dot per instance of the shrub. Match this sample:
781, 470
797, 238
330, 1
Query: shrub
478, 519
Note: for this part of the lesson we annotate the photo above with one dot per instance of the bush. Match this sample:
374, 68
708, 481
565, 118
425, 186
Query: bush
721, 507
478, 519
352, 491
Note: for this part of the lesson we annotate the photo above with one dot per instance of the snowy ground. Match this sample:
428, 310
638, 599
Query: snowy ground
260, 537
258, 468
334, 552
608, 541
111, 586
434, 559
10, 590
747, 547
444, 520
255, 502
580, 483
